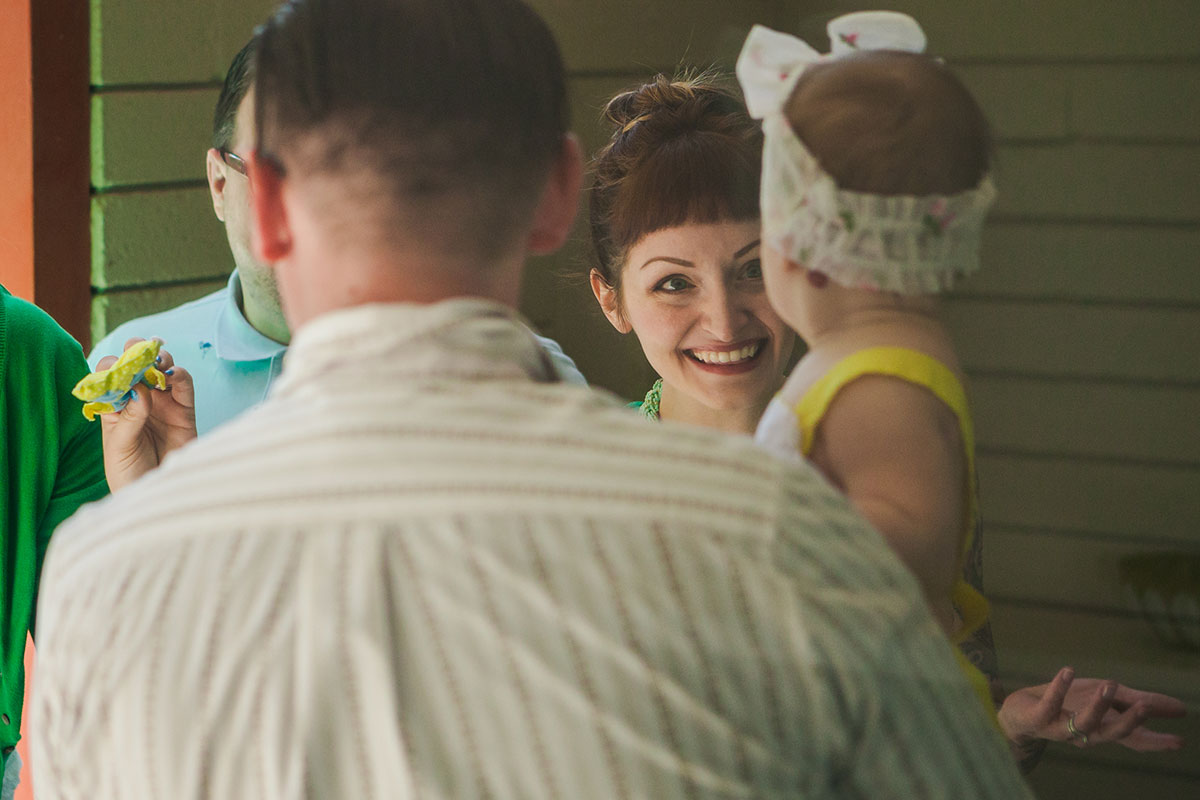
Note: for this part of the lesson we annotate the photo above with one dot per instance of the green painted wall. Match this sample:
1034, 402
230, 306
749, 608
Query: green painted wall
156, 70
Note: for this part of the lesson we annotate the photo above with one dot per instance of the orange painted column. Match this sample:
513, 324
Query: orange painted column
16, 192
45, 216
44, 197
16, 142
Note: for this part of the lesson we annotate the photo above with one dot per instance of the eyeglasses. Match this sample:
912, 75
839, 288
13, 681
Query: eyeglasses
235, 162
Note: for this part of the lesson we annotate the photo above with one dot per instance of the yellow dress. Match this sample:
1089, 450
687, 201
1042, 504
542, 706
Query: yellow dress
925, 371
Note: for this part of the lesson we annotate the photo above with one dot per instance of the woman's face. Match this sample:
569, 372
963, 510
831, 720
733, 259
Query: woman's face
694, 296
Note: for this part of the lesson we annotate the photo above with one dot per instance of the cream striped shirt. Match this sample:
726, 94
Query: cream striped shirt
421, 569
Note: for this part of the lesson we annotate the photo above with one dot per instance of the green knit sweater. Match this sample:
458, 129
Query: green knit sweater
50, 464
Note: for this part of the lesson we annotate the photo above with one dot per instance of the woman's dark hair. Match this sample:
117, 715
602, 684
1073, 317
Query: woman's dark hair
682, 150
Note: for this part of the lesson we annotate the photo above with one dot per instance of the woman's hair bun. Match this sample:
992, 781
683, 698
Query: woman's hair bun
671, 104
681, 150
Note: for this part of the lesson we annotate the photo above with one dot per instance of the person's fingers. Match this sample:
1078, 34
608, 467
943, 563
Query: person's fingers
105, 363
1119, 725
133, 416
122, 438
1157, 705
131, 342
164, 361
1089, 718
1144, 740
1049, 708
179, 383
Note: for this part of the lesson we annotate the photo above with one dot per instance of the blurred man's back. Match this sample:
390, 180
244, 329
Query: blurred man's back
425, 568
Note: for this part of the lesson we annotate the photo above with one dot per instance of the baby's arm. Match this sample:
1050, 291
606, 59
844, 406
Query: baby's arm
896, 452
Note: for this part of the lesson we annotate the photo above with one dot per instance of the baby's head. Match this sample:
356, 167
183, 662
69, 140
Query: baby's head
875, 165
889, 122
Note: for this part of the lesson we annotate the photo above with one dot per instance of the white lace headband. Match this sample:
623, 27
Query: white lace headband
900, 243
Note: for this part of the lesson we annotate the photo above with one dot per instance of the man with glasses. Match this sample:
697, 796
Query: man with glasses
232, 341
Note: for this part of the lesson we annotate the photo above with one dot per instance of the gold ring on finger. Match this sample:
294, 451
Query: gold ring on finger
1076, 734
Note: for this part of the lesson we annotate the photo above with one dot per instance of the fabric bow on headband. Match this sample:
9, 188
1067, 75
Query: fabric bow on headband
897, 243
771, 62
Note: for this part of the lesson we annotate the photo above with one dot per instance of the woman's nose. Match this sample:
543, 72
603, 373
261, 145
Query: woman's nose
724, 315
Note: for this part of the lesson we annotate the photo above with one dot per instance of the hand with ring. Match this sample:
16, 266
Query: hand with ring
1087, 712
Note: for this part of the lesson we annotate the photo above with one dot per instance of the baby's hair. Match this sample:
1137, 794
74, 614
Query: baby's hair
682, 150
891, 123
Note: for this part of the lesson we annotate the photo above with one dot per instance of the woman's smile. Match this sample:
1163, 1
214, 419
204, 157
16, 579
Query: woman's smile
727, 359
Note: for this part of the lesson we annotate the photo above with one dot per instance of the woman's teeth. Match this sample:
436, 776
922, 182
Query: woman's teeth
727, 356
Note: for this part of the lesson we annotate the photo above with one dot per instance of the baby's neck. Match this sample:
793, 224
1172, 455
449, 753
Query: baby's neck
845, 315
885, 321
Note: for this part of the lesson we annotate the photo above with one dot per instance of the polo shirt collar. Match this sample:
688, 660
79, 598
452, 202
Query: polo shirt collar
236, 339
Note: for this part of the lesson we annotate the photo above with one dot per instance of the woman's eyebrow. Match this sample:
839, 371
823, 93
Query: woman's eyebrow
681, 262
747, 249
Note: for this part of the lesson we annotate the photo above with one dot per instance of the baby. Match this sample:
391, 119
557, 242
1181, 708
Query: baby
874, 190
875, 186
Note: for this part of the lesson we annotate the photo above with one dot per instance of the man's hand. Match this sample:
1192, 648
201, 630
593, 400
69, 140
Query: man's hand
152, 424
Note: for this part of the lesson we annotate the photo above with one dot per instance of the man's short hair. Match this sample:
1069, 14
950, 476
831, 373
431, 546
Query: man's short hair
238, 81
455, 109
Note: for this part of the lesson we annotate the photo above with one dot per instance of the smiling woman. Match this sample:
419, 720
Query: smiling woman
675, 225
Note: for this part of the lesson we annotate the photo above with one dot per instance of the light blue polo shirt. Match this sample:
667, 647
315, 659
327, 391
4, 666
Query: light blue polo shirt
231, 363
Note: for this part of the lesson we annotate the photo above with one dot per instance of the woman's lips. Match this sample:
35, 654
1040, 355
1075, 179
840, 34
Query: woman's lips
730, 360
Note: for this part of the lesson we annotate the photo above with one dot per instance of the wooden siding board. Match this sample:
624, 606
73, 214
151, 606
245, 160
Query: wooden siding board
646, 37
182, 41
169, 41
150, 137
1130, 101
1157, 424
1036, 642
1063, 340
1066, 777
1063, 570
1088, 262
112, 308
1130, 500
1116, 182
141, 238
1016, 30
1022, 102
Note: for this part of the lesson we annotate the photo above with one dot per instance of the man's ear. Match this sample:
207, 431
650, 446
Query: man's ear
556, 209
610, 302
216, 168
271, 237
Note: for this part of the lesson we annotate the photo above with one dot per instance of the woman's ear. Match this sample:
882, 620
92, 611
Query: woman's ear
610, 302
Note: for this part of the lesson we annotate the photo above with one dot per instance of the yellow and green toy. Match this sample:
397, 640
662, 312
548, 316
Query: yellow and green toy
108, 390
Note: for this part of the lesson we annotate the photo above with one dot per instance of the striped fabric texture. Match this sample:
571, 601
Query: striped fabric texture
424, 569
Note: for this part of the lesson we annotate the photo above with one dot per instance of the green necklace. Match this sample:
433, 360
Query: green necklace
653, 398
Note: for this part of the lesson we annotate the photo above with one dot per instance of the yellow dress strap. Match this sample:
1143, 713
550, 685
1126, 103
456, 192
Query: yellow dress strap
896, 362
922, 370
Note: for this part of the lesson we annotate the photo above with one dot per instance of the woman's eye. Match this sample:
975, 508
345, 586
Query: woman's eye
752, 270
675, 283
